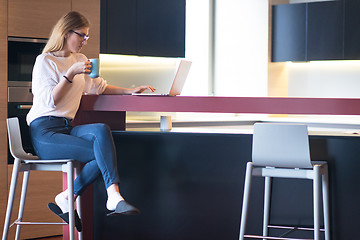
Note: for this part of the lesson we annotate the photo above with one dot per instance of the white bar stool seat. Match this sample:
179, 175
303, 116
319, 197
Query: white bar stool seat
282, 150
24, 162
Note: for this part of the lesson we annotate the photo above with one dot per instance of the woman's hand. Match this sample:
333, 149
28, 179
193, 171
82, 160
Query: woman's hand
142, 89
79, 68
110, 89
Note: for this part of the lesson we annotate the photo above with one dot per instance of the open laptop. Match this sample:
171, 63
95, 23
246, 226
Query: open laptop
177, 82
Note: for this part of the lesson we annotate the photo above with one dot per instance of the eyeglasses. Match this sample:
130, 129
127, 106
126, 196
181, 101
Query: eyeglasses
83, 36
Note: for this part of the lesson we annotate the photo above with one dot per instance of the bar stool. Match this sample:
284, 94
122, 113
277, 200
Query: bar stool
24, 162
282, 150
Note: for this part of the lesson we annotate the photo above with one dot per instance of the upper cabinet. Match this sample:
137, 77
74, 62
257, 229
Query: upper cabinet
118, 26
308, 31
34, 18
325, 31
143, 27
352, 29
289, 32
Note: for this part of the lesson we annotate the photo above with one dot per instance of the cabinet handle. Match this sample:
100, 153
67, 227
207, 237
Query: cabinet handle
24, 106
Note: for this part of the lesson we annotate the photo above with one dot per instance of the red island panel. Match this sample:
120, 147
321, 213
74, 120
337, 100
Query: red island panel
270, 105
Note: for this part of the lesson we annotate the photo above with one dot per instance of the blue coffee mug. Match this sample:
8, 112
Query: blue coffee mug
95, 66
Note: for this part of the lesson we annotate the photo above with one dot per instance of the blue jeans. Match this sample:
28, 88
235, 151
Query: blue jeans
92, 144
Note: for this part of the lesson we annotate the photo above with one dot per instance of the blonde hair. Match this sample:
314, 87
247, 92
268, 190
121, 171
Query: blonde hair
71, 21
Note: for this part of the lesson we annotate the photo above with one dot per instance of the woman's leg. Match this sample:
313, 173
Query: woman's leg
104, 150
51, 140
92, 144
105, 155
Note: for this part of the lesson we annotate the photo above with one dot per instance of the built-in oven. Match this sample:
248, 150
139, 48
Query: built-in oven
22, 53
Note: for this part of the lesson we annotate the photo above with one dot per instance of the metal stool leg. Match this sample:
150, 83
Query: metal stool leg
78, 202
325, 189
10, 204
70, 182
267, 199
246, 197
22, 202
316, 184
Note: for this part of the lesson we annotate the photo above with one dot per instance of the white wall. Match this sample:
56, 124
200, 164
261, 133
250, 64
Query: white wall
197, 47
241, 48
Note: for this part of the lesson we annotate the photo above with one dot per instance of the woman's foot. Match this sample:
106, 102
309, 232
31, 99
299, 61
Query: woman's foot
116, 203
62, 201
124, 208
65, 216
113, 199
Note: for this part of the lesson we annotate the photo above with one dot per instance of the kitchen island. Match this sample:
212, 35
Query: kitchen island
112, 108
189, 185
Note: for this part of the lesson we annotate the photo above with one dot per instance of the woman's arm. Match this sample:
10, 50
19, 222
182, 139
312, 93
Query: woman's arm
110, 89
63, 86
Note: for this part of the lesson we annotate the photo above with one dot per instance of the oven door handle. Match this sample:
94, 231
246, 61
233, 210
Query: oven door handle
24, 106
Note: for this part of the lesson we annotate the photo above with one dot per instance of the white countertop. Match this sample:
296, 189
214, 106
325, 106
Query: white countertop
248, 129
242, 123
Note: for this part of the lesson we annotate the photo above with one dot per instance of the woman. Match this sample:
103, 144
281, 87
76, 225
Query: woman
60, 77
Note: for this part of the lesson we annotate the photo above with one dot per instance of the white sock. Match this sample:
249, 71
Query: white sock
62, 202
113, 199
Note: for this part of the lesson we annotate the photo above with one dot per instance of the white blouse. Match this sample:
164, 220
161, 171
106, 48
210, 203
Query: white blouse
47, 73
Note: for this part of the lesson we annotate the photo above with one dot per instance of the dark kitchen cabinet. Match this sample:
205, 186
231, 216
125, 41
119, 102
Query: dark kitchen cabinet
308, 31
143, 27
325, 31
118, 27
352, 30
289, 32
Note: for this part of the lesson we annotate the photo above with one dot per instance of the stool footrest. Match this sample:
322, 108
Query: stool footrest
18, 222
274, 238
283, 238
294, 227
40, 223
